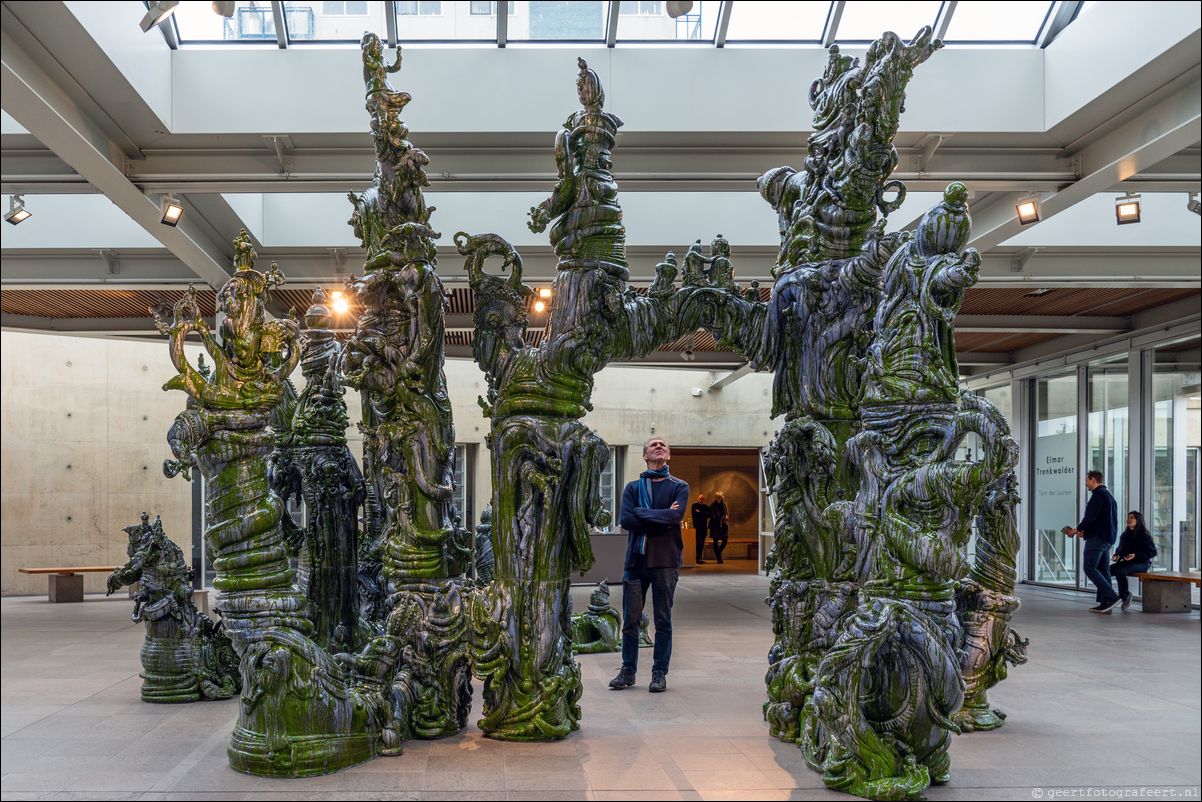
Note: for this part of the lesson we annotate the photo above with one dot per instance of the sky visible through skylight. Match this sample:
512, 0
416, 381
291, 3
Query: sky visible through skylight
751, 21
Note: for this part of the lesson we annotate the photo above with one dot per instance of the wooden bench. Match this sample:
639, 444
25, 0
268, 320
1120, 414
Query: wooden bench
1168, 591
66, 584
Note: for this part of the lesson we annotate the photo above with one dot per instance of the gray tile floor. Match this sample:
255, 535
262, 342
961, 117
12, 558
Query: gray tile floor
1106, 702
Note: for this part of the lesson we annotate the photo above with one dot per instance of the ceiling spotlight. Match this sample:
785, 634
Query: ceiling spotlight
340, 303
678, 8
157, 12
172, 211
1028, 210
544, 292
17, 213
1126, 209
539, 306
1194, 205
224, 8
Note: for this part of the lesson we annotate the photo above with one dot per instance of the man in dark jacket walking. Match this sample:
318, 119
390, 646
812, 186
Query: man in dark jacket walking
1099, 528
652, 508
701, 526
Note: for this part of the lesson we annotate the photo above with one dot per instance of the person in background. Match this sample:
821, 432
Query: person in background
652, 508
719, 525
1134, 554
701, 525
1099, 528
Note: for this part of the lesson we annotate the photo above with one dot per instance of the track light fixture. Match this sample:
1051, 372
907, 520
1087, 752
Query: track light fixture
1028, 209
157, 12
1194, 205
1126, 209
17, 213
172, 211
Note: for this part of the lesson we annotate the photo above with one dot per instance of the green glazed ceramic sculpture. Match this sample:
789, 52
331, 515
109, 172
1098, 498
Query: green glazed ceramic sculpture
871, 596
986, 600
395, 360
185, 657
300, 715
599, 628
312, 462
546, 464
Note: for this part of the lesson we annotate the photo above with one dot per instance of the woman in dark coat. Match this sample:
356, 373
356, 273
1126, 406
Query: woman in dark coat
1134, 554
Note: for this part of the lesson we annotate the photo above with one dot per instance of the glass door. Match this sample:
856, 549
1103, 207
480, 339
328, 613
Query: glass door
1054, 479
1176, 440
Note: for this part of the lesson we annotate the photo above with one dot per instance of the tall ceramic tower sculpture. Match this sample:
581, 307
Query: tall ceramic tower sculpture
395, 359
312, 461
546, 464
299, 715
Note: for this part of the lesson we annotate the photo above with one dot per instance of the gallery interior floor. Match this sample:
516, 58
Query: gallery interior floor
1106, 701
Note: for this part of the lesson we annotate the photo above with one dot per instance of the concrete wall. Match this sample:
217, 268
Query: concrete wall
85, 424
83, 444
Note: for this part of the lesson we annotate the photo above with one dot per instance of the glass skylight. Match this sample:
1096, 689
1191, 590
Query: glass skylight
776, 22
864, 21
333, 20
983, 21
648, 21
252, 22
559, 21
751, 21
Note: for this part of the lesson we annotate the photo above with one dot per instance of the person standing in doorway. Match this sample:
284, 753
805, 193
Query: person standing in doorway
1099, 528
1134, 554
653, 507
701, 525
719, 524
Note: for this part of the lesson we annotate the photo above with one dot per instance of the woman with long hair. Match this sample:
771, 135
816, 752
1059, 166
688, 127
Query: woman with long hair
1134, 554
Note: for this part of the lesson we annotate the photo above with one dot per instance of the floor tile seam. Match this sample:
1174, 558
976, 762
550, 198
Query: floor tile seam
194, 757
668, 764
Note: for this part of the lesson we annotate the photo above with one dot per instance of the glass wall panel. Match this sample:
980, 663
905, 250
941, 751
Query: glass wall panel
1107, 428
1176, 441
1054, 476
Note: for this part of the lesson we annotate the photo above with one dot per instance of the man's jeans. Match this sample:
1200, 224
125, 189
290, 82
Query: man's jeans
635, 582
1096, 562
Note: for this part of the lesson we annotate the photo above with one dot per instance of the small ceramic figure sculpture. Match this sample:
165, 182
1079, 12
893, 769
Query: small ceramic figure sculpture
185, 657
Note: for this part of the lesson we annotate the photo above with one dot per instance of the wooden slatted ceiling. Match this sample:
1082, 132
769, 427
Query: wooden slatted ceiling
95, 303
1104, 301
1087, 301
995, 342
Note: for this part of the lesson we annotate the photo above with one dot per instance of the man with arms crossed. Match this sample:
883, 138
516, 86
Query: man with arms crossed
652, 508
1099, 528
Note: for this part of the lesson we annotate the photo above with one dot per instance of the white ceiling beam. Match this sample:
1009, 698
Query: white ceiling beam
723, 23
1173, 124
47, 112
1064, 13
611, 28
832, 23
281, 26
945, 18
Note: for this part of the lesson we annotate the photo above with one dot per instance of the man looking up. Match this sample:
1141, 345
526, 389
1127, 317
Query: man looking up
1099, 528
652, 508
